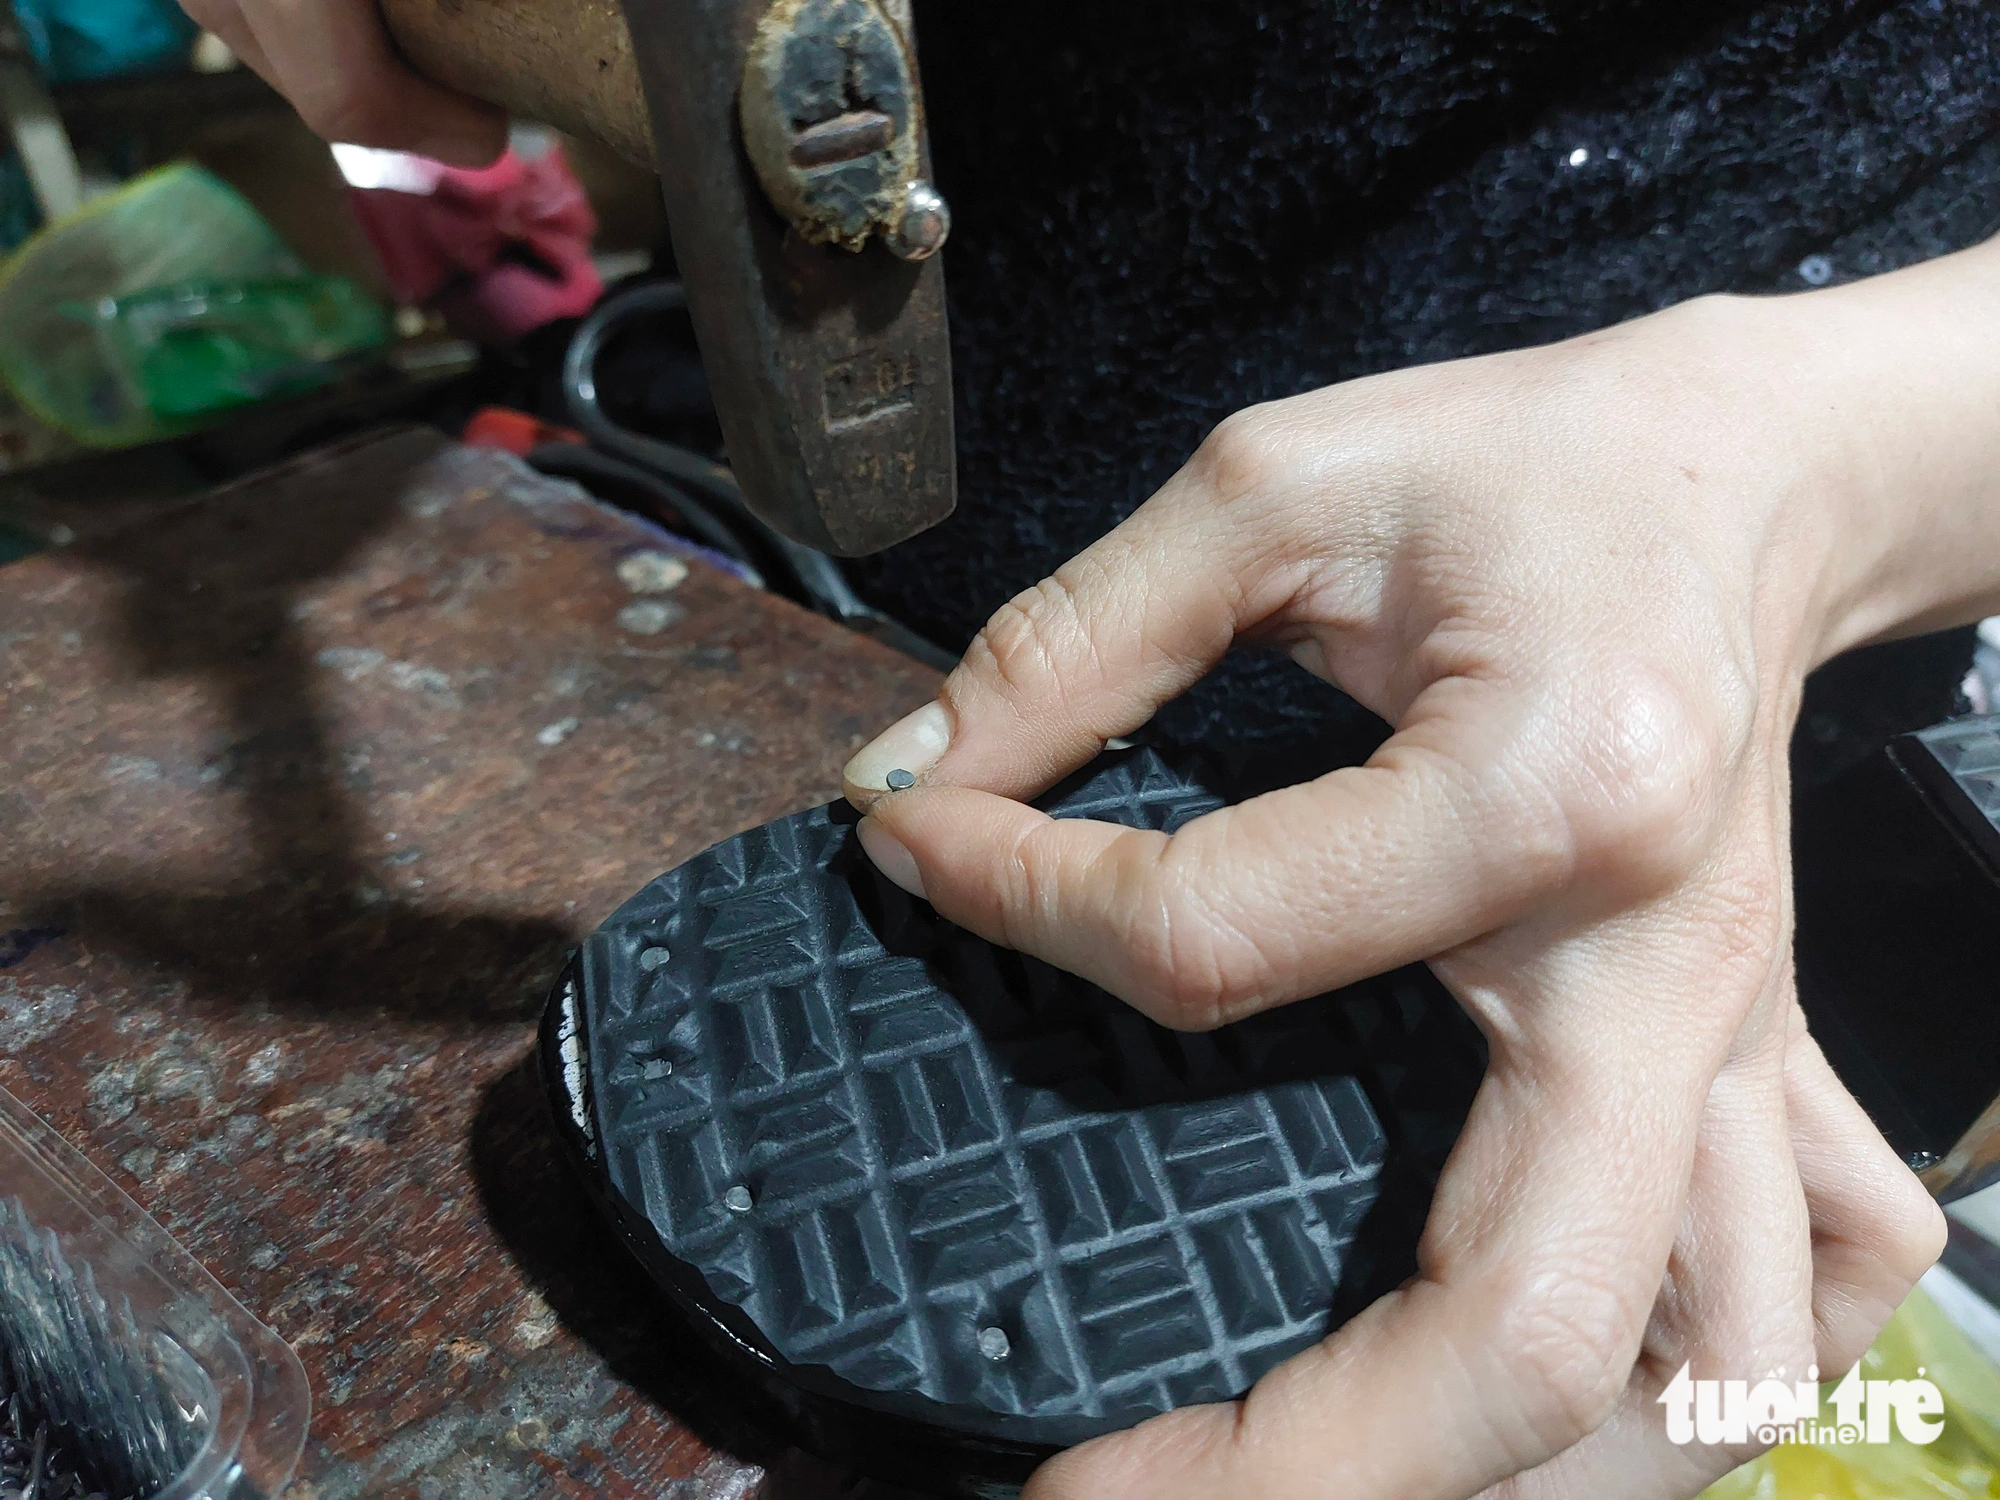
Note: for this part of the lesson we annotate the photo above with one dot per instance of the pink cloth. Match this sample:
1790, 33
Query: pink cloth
499, 250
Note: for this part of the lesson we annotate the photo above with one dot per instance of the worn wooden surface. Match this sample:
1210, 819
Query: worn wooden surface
304, 790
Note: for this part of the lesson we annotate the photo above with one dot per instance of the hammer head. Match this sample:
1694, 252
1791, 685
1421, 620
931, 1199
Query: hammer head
792, 159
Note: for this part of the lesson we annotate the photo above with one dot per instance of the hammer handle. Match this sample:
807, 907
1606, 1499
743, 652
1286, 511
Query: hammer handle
567, 63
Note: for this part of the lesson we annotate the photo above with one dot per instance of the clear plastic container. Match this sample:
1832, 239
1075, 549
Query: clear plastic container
152, 1377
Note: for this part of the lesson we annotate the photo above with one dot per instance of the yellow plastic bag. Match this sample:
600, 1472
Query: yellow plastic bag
1962, 1464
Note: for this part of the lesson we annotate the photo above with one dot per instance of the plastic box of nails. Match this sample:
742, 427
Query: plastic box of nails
126, 1371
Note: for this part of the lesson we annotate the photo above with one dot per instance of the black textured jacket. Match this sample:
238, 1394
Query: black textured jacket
1167, 211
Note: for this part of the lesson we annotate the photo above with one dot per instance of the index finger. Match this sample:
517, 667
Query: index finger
1436, 841
333, 59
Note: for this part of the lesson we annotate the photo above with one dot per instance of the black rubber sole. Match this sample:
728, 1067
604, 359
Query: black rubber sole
1958, 764
956, 1208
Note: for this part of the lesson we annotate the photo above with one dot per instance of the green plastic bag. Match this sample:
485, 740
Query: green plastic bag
153, 310
204, 347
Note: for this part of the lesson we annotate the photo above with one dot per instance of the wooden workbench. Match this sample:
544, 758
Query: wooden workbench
305, 789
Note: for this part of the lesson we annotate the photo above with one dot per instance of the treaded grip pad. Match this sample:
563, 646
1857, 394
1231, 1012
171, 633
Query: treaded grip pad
1958, 763
927, 1186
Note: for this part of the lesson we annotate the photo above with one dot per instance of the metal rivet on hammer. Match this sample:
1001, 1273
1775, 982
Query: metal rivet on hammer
924, 226
843, 138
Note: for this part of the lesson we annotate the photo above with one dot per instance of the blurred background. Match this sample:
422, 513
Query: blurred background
193, 287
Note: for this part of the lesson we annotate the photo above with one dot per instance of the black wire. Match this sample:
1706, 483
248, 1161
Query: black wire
710, 480
704, 491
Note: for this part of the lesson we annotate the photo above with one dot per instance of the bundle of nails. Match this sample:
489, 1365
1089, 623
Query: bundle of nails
37, 1465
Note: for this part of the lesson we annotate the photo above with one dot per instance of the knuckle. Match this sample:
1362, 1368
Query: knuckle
1174, 975
359, 111
1873, 1271
1243, 457
1570, 1342
1778, 1337
339, 119
1912, 1245
1028, 647
1788, 1345
1185, 979
1186, 966
1644, 785
1166, 980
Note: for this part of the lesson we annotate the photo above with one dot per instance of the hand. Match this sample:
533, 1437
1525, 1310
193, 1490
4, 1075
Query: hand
1584, 583
334, 61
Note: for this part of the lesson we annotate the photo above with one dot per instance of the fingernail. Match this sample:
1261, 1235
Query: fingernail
913, 744
890, 856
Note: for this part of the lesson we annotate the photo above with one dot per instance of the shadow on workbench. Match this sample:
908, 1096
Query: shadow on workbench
283, 905
598, 1290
